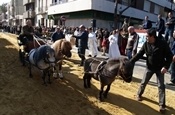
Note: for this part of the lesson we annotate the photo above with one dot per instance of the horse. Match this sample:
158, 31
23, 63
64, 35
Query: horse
62, 49
44, 59
27, 46
106, 71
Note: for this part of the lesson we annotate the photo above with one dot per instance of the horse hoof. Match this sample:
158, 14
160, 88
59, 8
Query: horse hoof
44, 84
105, 95
100, 100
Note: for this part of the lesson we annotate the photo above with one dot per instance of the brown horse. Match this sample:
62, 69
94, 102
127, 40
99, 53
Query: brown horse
62, 49
106, 71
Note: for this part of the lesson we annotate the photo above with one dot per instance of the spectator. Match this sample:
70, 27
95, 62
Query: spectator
146, 23
160, 26
125, 25
158, 58
105, 42
92, 43
172, 67
169, 28
57, 34
132, 43
113, 45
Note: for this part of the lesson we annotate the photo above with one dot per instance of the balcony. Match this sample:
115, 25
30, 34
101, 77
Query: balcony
81, 5
29, 14
28, 1
42, 10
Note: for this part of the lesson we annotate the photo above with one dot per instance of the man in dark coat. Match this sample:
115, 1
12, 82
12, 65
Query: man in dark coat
158, 60
146, 23
82, 43
160, 26
57, 35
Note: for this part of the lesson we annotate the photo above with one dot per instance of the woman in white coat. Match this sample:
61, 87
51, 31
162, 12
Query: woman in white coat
113, 45
92, 43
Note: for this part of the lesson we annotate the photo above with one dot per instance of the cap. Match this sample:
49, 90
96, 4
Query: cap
82, 26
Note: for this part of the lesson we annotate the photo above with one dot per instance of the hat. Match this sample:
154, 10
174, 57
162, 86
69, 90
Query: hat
81, 26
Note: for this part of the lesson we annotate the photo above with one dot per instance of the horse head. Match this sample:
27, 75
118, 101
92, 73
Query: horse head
62, 47
50, 55
126, 70
66, 48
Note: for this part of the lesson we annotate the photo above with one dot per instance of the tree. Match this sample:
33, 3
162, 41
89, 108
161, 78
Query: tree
3, 8
117, 17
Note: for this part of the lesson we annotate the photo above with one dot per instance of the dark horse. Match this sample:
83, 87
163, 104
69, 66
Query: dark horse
44, 59
105, 71
62, 49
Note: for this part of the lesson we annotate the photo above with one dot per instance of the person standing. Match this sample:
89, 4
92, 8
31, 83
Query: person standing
82, 40
160, 26
172, 67
158, 59
57, 35
113, 45
132, 43
92, 43
147, 24
169, 28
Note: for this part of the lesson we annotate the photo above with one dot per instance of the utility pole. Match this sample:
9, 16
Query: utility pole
115, 14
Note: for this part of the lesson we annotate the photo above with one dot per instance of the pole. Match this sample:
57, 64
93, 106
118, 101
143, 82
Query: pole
115, 14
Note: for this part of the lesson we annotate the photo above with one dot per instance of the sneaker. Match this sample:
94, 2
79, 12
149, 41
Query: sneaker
103, 54
139, 98
162, 109
172, 84
89, 55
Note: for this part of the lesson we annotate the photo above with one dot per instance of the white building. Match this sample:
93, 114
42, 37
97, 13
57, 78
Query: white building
83, 11
41, 9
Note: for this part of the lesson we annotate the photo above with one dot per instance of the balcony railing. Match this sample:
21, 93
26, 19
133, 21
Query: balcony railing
43, 9
29, 14
28, 1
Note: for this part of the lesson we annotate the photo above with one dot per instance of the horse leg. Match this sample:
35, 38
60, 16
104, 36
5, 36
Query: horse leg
100, 97
43, 77
85, 80
30, 70
60, 70
49, 74
106, 91
89, 81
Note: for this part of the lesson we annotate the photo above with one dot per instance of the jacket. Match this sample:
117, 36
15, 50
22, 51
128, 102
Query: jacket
156, 57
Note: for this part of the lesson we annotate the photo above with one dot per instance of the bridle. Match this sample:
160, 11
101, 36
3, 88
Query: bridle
121, 71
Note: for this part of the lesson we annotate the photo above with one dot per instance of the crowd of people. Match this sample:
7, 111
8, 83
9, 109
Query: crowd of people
159, 50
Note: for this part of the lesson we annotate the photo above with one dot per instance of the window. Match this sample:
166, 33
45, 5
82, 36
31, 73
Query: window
146, 6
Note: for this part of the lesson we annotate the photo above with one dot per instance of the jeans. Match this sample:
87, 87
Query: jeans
172, 69
161, 86
169, 36
81, 54
129, 53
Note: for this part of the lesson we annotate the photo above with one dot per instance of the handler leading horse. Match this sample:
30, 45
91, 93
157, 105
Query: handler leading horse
62, 49
106, 71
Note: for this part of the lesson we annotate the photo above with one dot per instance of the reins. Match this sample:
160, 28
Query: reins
36, 38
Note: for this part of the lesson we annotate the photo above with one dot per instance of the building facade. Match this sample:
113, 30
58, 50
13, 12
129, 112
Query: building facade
83, 11
41, 9
29, 11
